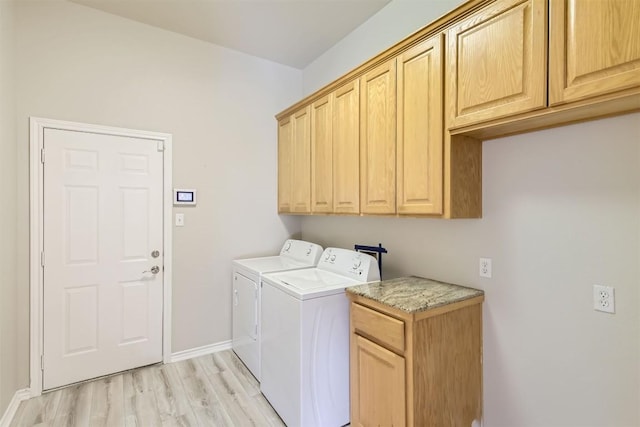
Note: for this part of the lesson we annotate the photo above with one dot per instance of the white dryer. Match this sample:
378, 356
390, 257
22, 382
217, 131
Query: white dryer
247, 273
305, 338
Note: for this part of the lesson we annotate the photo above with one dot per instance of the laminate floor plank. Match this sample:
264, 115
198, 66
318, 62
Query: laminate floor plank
211, 363
75, 406
249, 383
107, 407
214, 390
37, 411
203, 399
171, 397
234, 400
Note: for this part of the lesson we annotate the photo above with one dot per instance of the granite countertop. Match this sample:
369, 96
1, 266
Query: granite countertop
414, 294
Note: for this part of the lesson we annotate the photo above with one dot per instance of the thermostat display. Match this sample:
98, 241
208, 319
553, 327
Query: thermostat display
184, 197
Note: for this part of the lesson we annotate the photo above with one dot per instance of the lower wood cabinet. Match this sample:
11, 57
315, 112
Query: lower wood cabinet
380, 383
416, 369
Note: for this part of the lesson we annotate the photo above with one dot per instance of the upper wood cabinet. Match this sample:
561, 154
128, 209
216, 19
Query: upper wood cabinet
301, 176
378, 140
285, 165
594, 48
346, 148
402, 133
322, 155
497, 62
294, 162
420, 129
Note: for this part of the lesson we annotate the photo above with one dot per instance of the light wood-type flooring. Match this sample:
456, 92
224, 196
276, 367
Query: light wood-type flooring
212, 390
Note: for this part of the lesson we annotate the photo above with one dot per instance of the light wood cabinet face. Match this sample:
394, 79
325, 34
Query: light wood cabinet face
285, 166
378, 140
594, 48
497, 62
322, 156
346, 148
420, 129
378, 392
301, 176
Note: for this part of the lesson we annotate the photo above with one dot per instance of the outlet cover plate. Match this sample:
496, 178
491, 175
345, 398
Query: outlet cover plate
604, 298
485, 268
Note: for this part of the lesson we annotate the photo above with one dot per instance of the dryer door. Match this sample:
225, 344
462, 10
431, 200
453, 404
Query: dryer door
245, 322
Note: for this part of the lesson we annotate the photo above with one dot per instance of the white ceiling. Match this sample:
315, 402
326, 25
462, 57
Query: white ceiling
290, 32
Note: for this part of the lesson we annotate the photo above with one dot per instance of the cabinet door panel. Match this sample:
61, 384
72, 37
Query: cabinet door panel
497, 62
420, 130
321, 156
595, 48
378, 386
346, 148
301, 176
378, 143
285, 166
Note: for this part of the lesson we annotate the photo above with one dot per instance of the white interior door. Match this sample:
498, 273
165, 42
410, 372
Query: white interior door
102, 308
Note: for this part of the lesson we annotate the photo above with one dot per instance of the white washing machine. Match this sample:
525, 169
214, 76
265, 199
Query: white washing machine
305, 338
247, 273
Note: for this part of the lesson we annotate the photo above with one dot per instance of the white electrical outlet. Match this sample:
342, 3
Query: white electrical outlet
604, 298
485, 267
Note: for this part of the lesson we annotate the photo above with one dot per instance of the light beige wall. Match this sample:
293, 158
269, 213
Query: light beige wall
75, 63
561, 213
8, 311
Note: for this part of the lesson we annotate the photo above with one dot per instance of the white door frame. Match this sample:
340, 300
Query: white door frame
36, 246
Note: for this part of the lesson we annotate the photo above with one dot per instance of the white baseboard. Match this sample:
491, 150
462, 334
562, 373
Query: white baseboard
18, 397
200, 351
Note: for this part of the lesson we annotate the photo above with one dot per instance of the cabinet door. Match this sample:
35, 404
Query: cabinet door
594, 48
301, 176
322, 156
420, 131
346, 148
497, 62
285, 165
377, 386
378, 140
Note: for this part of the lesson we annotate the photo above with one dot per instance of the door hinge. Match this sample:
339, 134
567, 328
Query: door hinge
42, 155
42, 258
42, 362
160, 145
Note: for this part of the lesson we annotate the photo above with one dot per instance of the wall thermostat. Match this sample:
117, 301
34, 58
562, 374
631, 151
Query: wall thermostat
183, 197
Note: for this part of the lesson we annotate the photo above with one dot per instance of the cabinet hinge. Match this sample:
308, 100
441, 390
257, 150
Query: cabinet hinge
160, 145
42, 155
42, 258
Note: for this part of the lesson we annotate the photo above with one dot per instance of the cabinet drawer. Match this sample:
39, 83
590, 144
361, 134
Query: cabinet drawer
378, 327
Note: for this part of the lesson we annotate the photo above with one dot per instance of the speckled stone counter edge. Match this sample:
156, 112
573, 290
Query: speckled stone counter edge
413, 294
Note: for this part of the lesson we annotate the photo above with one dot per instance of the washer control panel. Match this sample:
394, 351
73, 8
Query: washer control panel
307, 252
350, 263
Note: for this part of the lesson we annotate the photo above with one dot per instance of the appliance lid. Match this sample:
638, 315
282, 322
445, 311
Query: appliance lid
270, 264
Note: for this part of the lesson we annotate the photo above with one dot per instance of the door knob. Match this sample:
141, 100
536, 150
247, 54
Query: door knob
155, 270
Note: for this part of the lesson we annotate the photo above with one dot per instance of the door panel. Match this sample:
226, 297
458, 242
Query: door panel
594, 48
497, 62
378, 386
245, 333
378, 143
102, 219
420, 133
321, 156
346, 148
